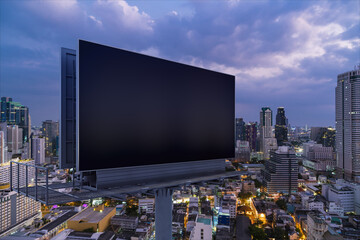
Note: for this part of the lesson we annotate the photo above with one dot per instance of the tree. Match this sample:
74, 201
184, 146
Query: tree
244, 195
281, 203
258, 222
299, 232
235, 164
131, 211
258, 184
257, 233
280, 234
203, 199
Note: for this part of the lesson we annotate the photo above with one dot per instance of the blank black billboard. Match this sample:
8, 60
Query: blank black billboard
138, 110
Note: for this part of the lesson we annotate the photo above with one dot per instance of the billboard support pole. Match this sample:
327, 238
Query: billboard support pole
163, 213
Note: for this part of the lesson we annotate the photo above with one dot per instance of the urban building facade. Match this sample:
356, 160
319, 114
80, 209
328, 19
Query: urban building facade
38, 150
5, 173
348, 125
15, 208
281, 171
14, 136
318, 158
50, 131
251, 135
281, 130
14, 113
267, 140
239, 129
242, 151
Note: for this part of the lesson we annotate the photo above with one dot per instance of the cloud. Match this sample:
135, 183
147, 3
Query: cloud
280, 52
151, 51
120, 13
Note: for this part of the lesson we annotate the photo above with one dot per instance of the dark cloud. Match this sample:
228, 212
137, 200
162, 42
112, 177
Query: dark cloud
282, 53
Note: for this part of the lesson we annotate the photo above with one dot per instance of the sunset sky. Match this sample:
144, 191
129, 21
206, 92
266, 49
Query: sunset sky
283, 53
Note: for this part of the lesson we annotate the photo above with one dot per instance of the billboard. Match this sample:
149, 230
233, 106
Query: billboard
136, 110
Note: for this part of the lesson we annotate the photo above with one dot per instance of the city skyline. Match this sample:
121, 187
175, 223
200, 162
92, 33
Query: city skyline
287, 56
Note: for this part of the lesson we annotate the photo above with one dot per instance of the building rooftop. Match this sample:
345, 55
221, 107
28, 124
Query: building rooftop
204, 220
91, 215
315, 217
50, 226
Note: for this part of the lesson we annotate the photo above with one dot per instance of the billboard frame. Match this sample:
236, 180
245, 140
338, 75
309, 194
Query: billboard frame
203, 169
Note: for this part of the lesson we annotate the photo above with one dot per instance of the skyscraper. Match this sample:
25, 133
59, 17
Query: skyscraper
38, 150
267, 140
280, 127
266, 122
281, 171
348, 124
239, 129
14, 139
15, 113
324, 136
251, 135
50, 130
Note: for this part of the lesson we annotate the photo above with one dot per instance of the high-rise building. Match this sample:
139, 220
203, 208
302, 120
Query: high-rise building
5, 173
348, 125
242, 151
7, 110
251, 135
14, 139
239, 129
324, 136
15, 113
38, 150
281, 126
329, 138
202, 228
281, 171
16, 208
50, 130
267, 140
318, 159
266, 122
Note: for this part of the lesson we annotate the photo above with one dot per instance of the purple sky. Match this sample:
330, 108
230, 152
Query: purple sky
283, 53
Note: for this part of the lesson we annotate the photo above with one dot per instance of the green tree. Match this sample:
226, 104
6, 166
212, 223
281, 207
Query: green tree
257, 233
244, 195
131, 211
235, 164
258, 184
280, 234
281, 203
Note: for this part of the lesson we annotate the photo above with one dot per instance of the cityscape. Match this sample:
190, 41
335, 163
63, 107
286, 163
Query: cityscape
295, 172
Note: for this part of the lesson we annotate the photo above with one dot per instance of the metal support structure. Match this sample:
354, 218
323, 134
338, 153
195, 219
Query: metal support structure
18, 178
11, 176
47, 187
36, 186
163, 214
52, 194
73, 177
26, 180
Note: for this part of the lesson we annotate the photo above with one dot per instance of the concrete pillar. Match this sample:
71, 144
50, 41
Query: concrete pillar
163, 214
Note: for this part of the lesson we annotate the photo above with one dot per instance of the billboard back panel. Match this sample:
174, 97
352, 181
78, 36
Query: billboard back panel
138, 110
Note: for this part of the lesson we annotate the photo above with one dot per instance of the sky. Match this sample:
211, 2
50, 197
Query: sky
283, 53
